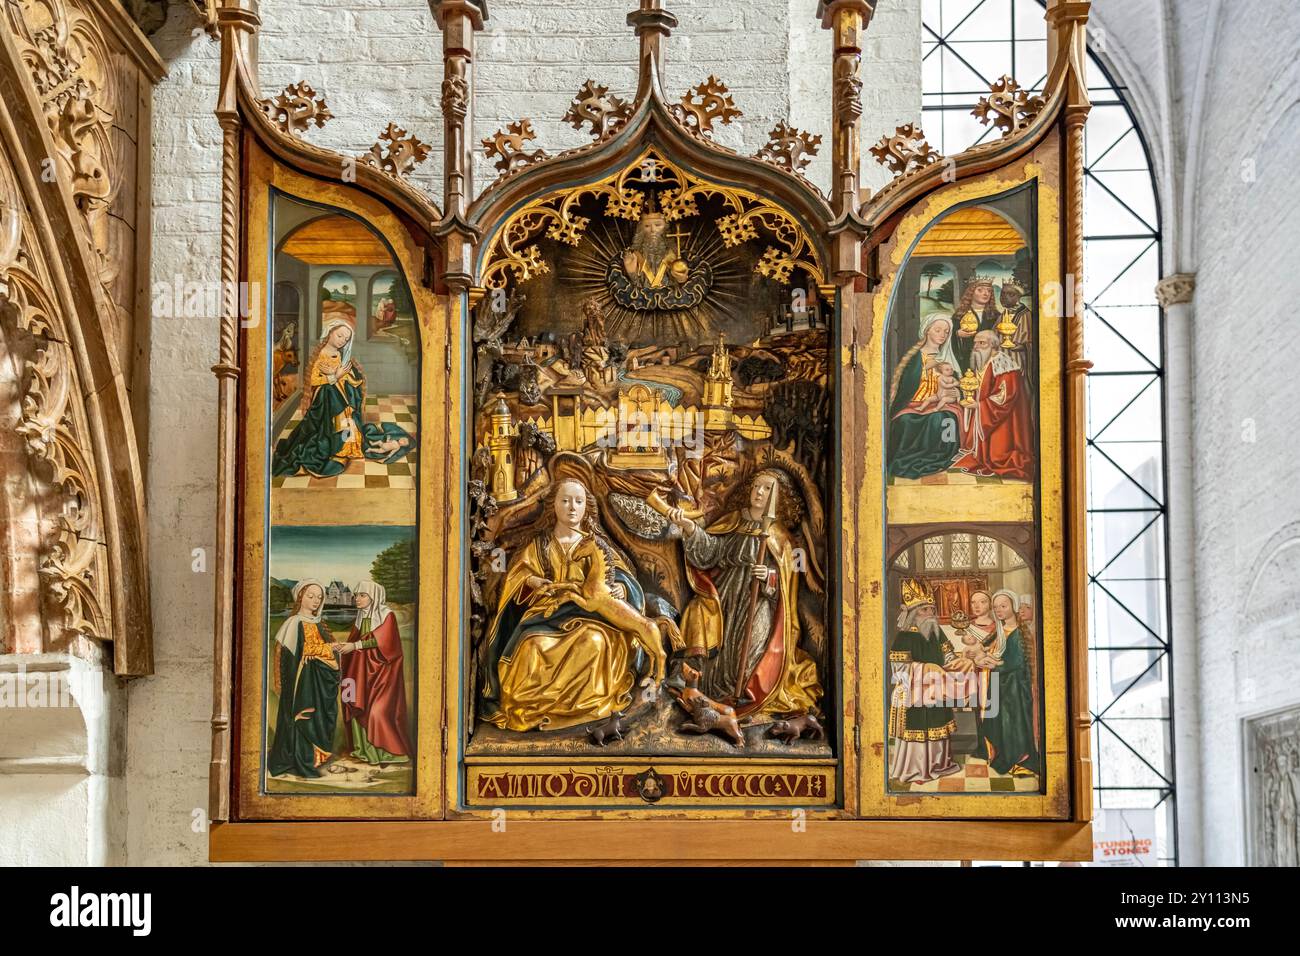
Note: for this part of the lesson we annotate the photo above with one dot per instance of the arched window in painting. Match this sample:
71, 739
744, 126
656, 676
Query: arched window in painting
336, 297
341, 556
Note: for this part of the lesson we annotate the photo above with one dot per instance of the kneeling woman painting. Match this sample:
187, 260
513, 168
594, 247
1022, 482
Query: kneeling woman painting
569, 639
332, 433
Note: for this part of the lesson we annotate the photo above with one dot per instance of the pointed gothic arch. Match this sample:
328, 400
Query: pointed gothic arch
74, 529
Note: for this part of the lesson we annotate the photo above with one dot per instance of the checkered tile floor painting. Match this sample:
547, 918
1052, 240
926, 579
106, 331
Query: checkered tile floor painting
399, 409
975, 776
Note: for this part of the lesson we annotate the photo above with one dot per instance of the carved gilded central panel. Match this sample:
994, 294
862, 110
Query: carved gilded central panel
652, 453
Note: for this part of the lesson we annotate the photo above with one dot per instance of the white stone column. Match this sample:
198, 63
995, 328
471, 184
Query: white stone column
1175, 294
61, 788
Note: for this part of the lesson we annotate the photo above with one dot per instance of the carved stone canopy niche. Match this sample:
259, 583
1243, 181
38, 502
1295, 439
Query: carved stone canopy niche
1272, 757
70, 311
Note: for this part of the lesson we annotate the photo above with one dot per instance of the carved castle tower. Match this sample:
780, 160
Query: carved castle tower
718, 402
501, 443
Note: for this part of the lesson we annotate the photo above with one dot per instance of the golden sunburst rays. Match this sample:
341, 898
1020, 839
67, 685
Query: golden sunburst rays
586, 271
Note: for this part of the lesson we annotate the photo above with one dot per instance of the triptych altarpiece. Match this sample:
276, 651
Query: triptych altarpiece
652, 485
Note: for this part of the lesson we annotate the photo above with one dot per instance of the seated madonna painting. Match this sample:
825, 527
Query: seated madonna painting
648, 501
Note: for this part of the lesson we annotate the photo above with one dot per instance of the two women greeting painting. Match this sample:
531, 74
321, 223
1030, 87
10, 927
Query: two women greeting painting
309, 668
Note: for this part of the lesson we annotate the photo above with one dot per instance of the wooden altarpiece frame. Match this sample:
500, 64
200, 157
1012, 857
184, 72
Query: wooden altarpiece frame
851, 251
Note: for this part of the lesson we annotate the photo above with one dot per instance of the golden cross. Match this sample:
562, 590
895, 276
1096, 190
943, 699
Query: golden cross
679, 235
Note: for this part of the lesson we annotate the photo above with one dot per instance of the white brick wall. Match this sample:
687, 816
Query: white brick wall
167, 727
535, 54
1247, 468
1221, 78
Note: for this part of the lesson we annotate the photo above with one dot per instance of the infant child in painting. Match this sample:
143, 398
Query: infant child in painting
387, 446
977, 652
946, 393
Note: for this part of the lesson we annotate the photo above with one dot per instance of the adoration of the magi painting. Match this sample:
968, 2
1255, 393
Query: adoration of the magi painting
964, 669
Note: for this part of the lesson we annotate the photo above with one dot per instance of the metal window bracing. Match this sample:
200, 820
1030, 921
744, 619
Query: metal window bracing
966, 46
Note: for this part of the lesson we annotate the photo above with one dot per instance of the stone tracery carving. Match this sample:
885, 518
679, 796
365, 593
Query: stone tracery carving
72, 564
10, 228
71, 70
88, 555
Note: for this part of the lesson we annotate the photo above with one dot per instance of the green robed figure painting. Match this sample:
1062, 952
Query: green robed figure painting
332, 432
923, 404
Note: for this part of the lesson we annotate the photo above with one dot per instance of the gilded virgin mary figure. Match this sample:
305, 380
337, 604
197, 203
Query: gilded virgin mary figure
743, 620
332, 432
569, 639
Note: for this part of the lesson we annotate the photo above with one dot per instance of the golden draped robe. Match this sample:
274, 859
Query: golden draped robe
558, 666
321, 370
785, 679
